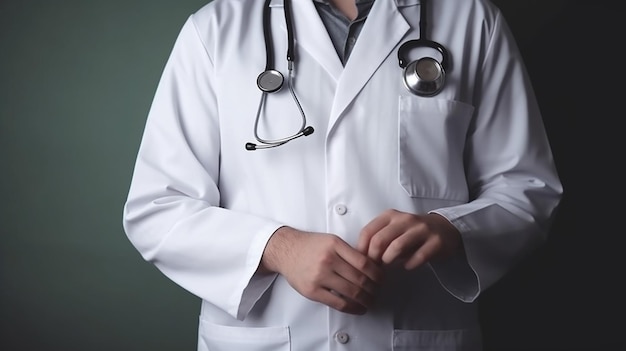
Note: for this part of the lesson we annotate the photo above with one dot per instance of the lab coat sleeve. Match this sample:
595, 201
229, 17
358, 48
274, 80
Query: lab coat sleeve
172, 213
514, 186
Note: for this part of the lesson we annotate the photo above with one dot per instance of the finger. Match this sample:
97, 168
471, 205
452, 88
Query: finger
358, 268
358, 278
380, 242
337, 301
369, 230
348, 290
402, 247
422, 255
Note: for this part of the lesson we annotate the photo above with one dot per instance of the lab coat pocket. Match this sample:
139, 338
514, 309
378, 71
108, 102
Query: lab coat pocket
431, 141
214, 337
437, 340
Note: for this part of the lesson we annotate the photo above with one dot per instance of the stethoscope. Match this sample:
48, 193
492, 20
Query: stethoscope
423, 77
271, 80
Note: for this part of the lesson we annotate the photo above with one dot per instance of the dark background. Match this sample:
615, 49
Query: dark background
76, 81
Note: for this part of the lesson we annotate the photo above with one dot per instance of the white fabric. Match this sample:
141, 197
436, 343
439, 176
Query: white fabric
201, 207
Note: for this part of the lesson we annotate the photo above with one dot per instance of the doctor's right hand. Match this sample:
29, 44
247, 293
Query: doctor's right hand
323, 268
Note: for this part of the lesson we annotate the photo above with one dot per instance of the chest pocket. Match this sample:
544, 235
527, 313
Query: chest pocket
431, 141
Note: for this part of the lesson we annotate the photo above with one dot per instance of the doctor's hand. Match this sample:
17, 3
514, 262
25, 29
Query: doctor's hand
408, 239
323, 268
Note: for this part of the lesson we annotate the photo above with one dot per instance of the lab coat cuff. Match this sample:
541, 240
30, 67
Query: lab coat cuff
258, 283
457, 277
455, 273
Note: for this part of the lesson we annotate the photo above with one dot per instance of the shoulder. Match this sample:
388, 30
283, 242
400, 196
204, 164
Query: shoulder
226, 11
219, 18
481, 10
483, 17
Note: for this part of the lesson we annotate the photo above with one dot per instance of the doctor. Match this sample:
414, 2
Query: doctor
319, 192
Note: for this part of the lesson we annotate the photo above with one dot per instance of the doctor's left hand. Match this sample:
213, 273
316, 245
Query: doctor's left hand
396, 237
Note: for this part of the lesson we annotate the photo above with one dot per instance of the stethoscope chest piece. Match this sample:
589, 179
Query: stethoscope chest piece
270, 80
424, 77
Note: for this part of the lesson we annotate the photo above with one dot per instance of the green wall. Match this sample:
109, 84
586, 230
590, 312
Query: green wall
76, 81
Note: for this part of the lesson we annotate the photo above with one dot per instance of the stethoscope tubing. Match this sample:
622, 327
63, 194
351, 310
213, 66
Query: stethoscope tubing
270, 80
303, 130
278, 142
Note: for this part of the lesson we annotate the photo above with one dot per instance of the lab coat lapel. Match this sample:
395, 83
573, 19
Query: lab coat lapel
311, 35
383, 30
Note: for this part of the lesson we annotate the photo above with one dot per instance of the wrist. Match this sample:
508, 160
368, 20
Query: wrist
278, 246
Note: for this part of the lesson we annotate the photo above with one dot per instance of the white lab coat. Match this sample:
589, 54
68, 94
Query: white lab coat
201, 207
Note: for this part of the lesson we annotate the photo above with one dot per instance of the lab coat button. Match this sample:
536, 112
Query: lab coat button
341, 209
342, 337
